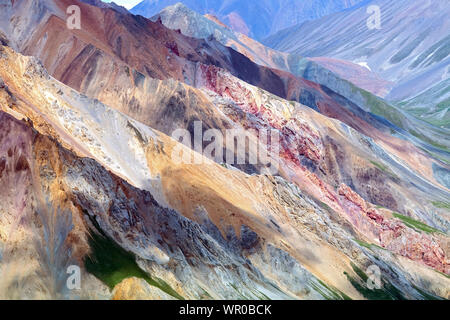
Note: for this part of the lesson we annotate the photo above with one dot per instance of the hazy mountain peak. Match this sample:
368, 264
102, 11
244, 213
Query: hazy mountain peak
257, 19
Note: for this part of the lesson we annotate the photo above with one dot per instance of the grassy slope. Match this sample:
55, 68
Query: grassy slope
111, 264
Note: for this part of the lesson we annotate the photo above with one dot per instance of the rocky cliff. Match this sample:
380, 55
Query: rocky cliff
89, 180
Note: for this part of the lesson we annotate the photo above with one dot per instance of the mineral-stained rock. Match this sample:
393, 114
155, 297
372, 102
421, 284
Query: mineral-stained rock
200, 231
138, 289
429, 249
83, 184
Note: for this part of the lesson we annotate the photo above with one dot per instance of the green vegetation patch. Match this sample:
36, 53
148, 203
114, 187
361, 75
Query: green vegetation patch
409, 48
443, 104
414, 224
111, 264
436, 156
387, 292
437, 52
260, 295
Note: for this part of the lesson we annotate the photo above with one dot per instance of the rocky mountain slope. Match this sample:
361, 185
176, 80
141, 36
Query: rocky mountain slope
338, 75
410, 50
217, 233
89, 178
255, 19
161, 53
193, 24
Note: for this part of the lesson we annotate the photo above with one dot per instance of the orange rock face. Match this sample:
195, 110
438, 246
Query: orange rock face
393, 235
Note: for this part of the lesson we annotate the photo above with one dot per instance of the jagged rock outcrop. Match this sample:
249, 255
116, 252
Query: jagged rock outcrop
412, 52
213, 232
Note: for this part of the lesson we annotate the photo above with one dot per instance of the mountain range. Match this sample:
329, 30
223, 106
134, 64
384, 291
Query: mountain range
257, 19
361, 87
411, 50
89, 179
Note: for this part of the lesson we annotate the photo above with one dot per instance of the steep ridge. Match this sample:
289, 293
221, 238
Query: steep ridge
410, 49
235, 232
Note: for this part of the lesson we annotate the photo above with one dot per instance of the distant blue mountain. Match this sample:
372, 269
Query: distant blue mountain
410, 50
257, 19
